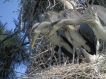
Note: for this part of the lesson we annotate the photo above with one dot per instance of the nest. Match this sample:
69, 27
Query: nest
71, 71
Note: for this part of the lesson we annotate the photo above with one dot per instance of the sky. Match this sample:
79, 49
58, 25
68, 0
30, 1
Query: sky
6, 11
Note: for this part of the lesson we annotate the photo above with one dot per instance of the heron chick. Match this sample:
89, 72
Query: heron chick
36, 30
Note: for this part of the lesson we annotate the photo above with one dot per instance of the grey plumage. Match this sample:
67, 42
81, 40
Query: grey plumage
87, 33
83, 36
101, 12
50, 16
58, 38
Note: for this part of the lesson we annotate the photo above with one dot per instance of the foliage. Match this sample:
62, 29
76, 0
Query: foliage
1, 30
12, 54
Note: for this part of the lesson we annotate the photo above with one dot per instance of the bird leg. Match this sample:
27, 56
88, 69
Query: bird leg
59, 53
97, 51
97, 58
51, 55
78, 54
73, 54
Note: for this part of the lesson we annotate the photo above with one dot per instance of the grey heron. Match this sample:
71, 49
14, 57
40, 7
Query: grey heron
56, 39
82, 36
84, 30
96, 19
98, 23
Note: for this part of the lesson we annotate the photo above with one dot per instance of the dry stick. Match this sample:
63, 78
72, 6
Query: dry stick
56, 59
40, 53
48, 5
21, 15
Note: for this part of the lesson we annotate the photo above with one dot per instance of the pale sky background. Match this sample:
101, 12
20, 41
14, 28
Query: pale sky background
6, 11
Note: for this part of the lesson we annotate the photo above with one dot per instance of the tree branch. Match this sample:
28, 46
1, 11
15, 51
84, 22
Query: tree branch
9, 36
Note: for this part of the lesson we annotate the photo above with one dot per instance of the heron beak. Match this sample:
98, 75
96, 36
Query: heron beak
33, 39
51, 33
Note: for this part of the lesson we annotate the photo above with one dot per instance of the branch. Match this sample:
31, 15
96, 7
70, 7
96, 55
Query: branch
4, 34
23, 44
5, 1
17, 32
9, 37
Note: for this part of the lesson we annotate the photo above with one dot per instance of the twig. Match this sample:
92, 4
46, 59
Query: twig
9, 37
5, 1
40, 53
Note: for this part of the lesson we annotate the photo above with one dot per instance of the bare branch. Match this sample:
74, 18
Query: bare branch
18, 9
5, 1
9, 37
48, 5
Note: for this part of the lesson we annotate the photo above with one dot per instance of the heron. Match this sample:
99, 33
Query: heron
100, 22
81, 35
101, 13
96, 19
58, 38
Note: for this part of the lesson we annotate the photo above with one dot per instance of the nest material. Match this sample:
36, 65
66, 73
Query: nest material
71, 71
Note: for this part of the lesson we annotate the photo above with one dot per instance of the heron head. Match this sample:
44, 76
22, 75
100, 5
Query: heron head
52, 31
32, 40
33, 36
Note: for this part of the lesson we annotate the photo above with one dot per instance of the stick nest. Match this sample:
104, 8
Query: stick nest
71, 71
